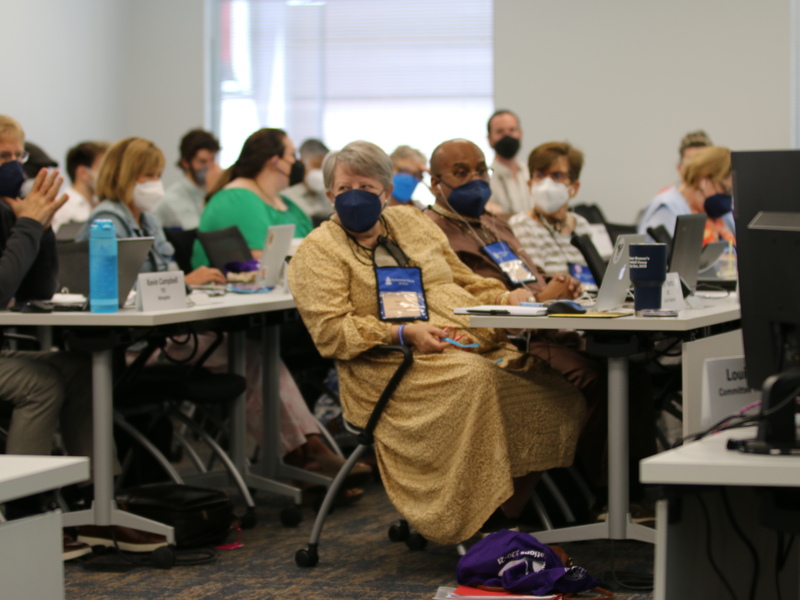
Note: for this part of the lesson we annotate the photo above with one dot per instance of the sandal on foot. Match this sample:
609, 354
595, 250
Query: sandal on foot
330, 464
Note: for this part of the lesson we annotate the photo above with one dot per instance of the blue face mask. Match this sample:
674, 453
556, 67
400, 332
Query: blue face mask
358, 210
11, 178
469, 199
718, 205
404, 186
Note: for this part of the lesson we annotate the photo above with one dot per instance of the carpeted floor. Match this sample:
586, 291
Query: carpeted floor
357, 562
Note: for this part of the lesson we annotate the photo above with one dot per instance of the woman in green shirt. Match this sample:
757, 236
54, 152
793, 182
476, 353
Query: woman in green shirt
247, 194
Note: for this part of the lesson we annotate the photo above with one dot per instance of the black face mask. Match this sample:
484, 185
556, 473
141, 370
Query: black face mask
11, 178
507, 147
718, 205
298, 173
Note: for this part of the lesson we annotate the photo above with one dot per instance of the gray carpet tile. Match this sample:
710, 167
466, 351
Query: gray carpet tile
357, 561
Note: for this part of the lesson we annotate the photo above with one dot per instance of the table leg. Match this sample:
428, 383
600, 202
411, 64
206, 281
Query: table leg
617, 446
618, 525
103, 386
270, 465
237, 361
104, 510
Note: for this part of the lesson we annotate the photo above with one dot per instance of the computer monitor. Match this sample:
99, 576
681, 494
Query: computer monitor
687, 245
766, 191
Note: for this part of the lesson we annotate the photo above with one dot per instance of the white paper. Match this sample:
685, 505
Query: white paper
161, 291
502, 309
68, 299
601, 240
671, 293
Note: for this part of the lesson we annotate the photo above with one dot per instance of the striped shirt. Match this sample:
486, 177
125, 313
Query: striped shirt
549, 249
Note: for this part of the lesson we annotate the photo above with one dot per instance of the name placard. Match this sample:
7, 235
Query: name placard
671, 293
725, 389
161, 291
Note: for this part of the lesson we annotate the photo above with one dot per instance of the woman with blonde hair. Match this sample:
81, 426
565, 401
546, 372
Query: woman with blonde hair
706, 188
129, 187
708, 183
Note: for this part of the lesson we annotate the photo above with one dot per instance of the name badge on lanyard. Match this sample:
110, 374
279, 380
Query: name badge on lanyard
510, 263
401, 296
582, 274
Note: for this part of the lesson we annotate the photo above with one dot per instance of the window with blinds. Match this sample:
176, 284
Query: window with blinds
393, 72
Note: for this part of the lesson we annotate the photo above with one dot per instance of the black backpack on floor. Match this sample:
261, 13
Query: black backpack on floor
200, 516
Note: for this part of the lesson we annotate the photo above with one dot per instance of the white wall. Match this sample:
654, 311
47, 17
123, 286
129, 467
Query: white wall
164, 73
104, 69
60, 75
624, 80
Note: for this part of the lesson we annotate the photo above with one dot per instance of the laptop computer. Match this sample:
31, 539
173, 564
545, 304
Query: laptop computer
69, 231
617, 278
687, 245
277, 245
73, 265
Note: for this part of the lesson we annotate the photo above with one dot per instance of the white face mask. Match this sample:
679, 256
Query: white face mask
549, 196
147, 195
315, 181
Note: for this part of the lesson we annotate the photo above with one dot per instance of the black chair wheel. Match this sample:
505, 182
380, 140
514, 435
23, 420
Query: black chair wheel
291, 517
306, 557
416, 542
163, 558
399, 531
249, 519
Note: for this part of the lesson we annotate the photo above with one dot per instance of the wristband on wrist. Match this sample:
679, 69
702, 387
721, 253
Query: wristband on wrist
400, 334
504, 298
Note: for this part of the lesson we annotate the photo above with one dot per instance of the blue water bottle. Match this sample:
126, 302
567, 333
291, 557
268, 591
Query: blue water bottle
103, 294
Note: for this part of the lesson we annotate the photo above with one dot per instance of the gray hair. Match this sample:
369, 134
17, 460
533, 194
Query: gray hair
404, 151
361, 158
313, 148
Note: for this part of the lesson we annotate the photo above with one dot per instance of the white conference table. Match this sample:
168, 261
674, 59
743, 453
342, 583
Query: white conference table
104, 510
690, 323
694, 476
39, 535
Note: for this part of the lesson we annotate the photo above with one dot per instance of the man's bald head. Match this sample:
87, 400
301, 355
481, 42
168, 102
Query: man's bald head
453, 164
443, 155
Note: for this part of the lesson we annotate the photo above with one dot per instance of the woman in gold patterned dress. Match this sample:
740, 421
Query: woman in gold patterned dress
466, 432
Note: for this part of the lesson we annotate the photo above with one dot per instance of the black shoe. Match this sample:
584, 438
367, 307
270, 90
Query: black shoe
72, 549
129, 540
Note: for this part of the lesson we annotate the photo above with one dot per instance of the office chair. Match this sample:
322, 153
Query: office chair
309, 556
183, 242
160, 390
594, 261
590, 212
400, 530
616, 229
224, 246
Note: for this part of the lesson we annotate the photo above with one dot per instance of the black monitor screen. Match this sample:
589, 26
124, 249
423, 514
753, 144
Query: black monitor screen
766, 192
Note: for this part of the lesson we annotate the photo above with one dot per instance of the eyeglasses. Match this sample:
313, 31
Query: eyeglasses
462, 174
415, 174
20, 156
557, 176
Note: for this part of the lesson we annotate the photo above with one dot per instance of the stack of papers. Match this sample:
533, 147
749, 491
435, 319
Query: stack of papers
464, 592
502, 309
